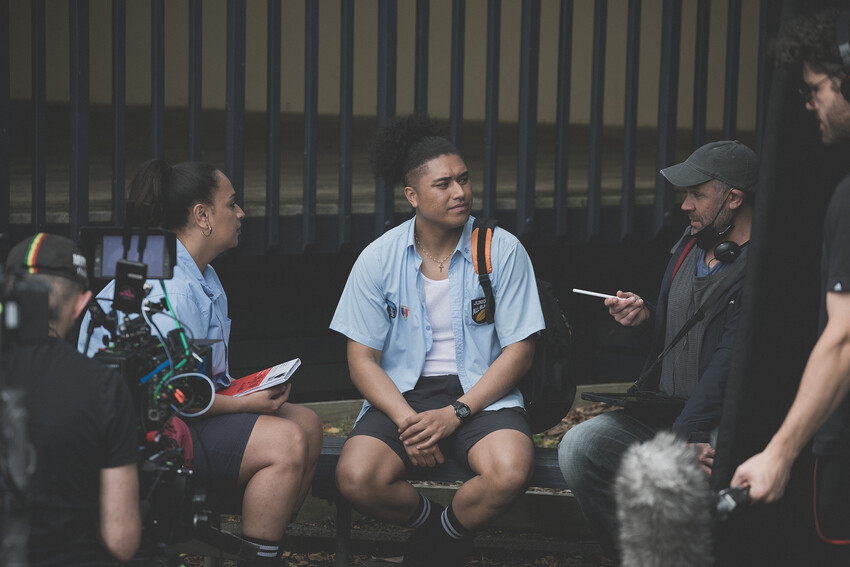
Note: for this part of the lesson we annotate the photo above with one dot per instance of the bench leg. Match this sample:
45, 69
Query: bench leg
343, 532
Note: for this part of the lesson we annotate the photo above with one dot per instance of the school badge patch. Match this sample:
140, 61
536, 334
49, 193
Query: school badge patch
392, 310
403, 310
479, 310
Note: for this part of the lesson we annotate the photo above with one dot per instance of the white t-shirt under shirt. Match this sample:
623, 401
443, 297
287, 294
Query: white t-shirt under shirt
440, 360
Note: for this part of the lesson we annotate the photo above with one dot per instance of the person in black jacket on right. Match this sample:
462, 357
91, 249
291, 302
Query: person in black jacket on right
719, 178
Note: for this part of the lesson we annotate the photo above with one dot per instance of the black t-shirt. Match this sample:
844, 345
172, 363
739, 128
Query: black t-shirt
81, 420
834, 436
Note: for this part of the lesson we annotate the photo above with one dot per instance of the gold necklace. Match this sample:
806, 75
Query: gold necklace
438, 262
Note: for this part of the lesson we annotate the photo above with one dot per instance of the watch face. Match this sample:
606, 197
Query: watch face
461, 410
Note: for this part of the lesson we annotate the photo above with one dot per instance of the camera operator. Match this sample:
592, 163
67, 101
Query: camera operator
85, 488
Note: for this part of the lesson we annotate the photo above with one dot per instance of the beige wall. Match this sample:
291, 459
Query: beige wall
138, 57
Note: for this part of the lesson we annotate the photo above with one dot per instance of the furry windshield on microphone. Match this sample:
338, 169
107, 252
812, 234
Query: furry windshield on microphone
664, 506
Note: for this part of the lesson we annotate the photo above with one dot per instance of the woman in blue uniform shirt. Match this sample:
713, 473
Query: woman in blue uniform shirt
257, 445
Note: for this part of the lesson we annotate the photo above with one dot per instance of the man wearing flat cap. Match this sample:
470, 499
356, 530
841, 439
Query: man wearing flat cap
84, 504
705, 272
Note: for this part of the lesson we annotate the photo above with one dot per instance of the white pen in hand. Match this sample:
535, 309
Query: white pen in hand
595, 294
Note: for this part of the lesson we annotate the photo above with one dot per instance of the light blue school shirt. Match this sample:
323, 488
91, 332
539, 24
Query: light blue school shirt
383, 307
198, 302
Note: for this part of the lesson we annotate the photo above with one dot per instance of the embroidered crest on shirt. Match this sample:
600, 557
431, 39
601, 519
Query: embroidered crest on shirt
392, 310
479, 310
403, 310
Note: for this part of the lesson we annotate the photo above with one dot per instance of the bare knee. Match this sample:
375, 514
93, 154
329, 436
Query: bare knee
504, 460
509, 479
285, 445
313, 432
310, 424
366, 474
354, 480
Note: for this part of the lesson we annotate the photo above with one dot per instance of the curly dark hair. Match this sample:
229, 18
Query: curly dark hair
404, 145
810, 38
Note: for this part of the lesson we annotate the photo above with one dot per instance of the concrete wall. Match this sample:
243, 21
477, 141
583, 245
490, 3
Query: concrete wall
214, 37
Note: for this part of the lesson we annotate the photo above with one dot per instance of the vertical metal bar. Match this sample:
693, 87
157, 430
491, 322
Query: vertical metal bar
597, 94
79, 99
273, 125
733, 48
343, 532
346, 118
235, 97
387, 44
671, 31
119, 106
158, 79
5, 95
627, 201
562, 119
196, 49
456, 90
527, 143
39, 114
763, 74
701, 72
491, 107
420, 85
311, 118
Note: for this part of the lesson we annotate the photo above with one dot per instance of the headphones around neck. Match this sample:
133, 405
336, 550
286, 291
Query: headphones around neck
727, 251
842, 40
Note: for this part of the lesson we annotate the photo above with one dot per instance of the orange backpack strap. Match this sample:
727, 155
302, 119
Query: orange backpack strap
482, 236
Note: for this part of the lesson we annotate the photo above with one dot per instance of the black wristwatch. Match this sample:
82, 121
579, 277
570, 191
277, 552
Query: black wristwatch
461, 410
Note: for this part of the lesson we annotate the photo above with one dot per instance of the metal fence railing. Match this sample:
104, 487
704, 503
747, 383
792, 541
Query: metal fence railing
314, 228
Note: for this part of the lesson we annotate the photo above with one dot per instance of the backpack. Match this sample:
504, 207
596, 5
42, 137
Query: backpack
549, 387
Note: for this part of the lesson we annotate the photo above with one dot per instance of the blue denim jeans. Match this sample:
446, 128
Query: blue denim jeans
589, 455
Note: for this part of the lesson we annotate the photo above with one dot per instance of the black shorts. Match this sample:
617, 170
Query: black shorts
219, 443
435, 392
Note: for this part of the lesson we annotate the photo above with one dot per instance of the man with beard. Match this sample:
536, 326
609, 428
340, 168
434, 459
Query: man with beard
720, 179
819, 46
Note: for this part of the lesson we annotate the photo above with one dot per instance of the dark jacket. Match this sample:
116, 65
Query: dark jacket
702, 410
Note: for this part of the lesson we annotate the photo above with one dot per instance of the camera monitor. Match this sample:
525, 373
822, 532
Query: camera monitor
107, 248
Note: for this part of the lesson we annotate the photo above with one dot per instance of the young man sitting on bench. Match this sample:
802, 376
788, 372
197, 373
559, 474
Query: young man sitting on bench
436, 381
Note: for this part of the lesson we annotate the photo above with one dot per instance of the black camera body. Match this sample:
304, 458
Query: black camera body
143, 362
166, 378
173, 508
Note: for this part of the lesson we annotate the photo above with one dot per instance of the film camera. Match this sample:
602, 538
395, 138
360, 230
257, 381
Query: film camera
165, 375
168, 376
